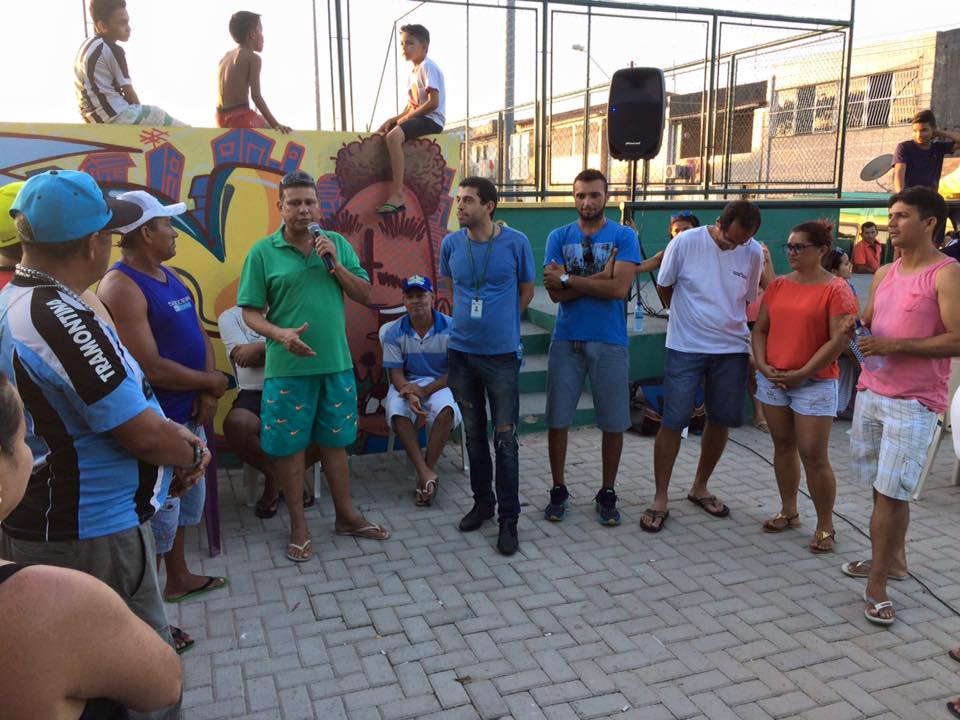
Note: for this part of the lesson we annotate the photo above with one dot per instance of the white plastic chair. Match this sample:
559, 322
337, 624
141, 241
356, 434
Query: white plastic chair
943, 423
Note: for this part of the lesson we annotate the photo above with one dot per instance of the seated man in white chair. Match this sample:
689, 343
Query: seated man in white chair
415, 355
241, 427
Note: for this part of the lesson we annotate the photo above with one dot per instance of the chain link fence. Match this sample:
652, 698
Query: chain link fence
754, 101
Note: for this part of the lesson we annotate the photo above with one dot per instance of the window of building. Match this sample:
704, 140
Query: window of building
688, 131
805, 109
884, 99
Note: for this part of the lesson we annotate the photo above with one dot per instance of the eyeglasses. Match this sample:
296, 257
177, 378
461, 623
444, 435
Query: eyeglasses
297, 178
682, 215
796, 249
586, 243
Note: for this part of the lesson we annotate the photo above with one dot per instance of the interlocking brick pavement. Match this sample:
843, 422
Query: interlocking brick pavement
710, 619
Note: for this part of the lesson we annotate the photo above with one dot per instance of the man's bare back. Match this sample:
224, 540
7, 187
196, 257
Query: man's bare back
235, 77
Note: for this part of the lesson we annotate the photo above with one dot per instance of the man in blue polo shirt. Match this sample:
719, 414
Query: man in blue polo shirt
103, 452
491, 267
588, 267
415, 355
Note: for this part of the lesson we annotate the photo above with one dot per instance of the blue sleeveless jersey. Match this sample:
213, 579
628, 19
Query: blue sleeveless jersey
176, 330
78, 382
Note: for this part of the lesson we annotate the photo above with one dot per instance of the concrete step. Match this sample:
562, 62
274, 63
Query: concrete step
536, 339
533, 407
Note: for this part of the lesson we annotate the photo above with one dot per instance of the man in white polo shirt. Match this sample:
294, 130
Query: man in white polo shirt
415, 355
708, 276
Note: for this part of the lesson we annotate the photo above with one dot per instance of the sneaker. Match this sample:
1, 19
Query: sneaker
606, 504
507, 540
559, 502
476, 517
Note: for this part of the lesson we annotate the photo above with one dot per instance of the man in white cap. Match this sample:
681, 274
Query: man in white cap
104, 456
157, 320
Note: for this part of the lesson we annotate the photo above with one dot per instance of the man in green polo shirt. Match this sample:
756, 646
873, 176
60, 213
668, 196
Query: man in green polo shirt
309, 392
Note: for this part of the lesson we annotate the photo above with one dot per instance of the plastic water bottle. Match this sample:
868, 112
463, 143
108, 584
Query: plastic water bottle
638, 319
872, 363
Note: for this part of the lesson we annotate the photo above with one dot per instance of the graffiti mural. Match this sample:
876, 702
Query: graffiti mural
229, 178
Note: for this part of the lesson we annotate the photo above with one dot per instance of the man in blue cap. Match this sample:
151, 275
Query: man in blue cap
104, 455
415, 355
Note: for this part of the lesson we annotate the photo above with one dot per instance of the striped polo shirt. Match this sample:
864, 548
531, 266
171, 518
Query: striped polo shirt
418, 357
100, 70
78, 383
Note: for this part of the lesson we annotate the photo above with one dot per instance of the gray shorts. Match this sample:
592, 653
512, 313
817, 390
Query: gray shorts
609, 368
126, 561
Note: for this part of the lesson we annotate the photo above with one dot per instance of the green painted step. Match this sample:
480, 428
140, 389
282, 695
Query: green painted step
533, 409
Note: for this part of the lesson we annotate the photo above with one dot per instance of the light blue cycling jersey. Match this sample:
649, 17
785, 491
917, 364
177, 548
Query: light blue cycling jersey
78, 382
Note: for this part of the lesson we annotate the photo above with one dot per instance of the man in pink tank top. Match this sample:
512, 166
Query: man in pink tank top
914, 315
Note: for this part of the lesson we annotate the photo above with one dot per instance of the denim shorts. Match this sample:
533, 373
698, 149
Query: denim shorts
178, 512
724, 392
816, 398
889, 442
609, 368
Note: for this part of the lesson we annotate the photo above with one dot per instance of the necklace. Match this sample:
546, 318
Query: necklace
49, 280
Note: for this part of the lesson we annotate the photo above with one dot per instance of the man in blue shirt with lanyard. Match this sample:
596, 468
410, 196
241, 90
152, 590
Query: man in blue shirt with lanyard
492, 271
102, 448
588, 267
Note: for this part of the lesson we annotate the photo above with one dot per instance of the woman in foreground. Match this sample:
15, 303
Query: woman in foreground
69, 646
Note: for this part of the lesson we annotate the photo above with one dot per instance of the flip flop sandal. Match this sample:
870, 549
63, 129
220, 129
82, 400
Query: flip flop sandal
179, 636
304, 554
212, 583
426, 495
852, 569
820, 540
709, 500
954, 707
787, 521
955, 654
877, 607
370, 532
660, 515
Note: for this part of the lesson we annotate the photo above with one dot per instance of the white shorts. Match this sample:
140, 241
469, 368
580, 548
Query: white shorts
889, 443
397, 405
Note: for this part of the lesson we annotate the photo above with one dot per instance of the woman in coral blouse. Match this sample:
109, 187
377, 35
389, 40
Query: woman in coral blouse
800, 331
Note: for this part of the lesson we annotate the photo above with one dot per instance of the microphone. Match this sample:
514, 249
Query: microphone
318, 233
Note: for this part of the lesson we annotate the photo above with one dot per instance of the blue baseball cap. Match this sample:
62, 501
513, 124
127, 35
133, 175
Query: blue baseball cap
417, 282
65, 205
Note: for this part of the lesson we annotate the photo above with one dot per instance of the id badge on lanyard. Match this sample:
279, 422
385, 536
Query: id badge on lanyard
476, 304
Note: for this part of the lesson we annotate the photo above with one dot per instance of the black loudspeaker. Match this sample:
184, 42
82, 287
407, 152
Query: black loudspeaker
635, 113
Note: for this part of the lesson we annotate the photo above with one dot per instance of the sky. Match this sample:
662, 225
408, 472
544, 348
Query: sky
176, 44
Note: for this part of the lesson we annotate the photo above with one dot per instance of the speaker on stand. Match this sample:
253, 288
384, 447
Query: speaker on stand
636, 110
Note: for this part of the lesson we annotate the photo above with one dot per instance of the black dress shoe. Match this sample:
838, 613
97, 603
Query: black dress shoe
507, 541
475, 518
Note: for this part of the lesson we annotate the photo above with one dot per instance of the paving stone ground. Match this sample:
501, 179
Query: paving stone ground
710, 619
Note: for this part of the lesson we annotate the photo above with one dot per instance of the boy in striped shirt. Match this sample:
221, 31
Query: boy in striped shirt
104, 90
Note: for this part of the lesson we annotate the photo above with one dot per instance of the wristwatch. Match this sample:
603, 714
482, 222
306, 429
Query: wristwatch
564, 279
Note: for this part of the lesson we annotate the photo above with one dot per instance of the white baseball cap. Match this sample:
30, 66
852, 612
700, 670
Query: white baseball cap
151, 209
